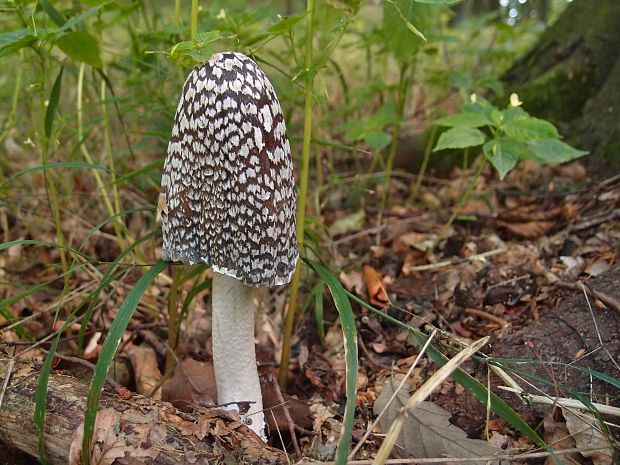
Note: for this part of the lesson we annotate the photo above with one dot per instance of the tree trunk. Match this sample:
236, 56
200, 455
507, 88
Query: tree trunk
571, 78
130, 429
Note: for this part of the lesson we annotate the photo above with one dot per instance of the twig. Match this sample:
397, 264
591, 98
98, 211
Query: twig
598, 333
609, 301
280, 435
287, 414
481, 257
515, 388
488, 316
9, 371
86, 364
595, 220
370, 357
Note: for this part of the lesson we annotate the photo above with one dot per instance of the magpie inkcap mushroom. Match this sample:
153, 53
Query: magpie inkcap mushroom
228, 200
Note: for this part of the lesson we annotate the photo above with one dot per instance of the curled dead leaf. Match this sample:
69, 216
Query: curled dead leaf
375, 283
147, 374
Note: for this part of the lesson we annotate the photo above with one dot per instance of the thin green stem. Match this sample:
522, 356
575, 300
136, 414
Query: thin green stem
303, 192
50, 186
108, 148
400, 110
465, 196
8, 123
177, 12
118, 227
427, 156
194, 20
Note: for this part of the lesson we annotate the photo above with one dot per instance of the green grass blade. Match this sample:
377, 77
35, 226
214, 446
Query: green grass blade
19, 329
125, 312
109, 219
195, 290
505, 364
472, 385
106, 279
53, 103
318, 311
347, 321
50, 166
41, 396
53, 13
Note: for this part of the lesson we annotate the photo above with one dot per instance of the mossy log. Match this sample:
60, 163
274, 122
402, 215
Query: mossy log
130, 429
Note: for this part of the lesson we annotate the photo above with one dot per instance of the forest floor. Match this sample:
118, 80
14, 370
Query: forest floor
531, 262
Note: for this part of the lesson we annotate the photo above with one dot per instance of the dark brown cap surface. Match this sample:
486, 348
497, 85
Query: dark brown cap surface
228, 192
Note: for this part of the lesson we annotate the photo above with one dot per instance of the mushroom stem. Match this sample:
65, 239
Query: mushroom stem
234, 354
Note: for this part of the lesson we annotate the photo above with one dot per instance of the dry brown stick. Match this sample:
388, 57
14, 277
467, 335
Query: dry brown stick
87, 364
595, 220
147, 431
287, 414
487, 316
609, 301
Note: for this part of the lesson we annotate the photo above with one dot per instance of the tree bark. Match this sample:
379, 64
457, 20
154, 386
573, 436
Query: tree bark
130, 429
570, 78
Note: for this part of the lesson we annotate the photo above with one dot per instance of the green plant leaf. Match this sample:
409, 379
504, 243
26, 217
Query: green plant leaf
513, 114
81, 46
53, 13
553, 152
438, 2
402, 22
286, 23
459, 138
191, 53
377, 140
504, 154
529, 129
484, 107
79, 18
124, 314
11, 42
464, 120
347, 321
53, 103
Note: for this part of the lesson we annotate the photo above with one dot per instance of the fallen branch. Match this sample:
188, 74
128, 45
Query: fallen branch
130, 426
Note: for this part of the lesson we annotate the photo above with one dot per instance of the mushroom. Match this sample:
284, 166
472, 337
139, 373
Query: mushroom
228, 200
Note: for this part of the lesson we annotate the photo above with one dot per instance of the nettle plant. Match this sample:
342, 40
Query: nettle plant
507, 136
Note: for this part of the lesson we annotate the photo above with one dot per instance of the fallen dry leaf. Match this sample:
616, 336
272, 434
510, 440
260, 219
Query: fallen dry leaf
420, 241
558, 437
111, 441
375, 283
427, 431
192, 382
348, 223
583, 426
147, 375
353, 281
597, 267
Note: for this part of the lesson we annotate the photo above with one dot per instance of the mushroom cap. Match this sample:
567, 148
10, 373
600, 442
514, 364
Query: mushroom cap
228, 192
